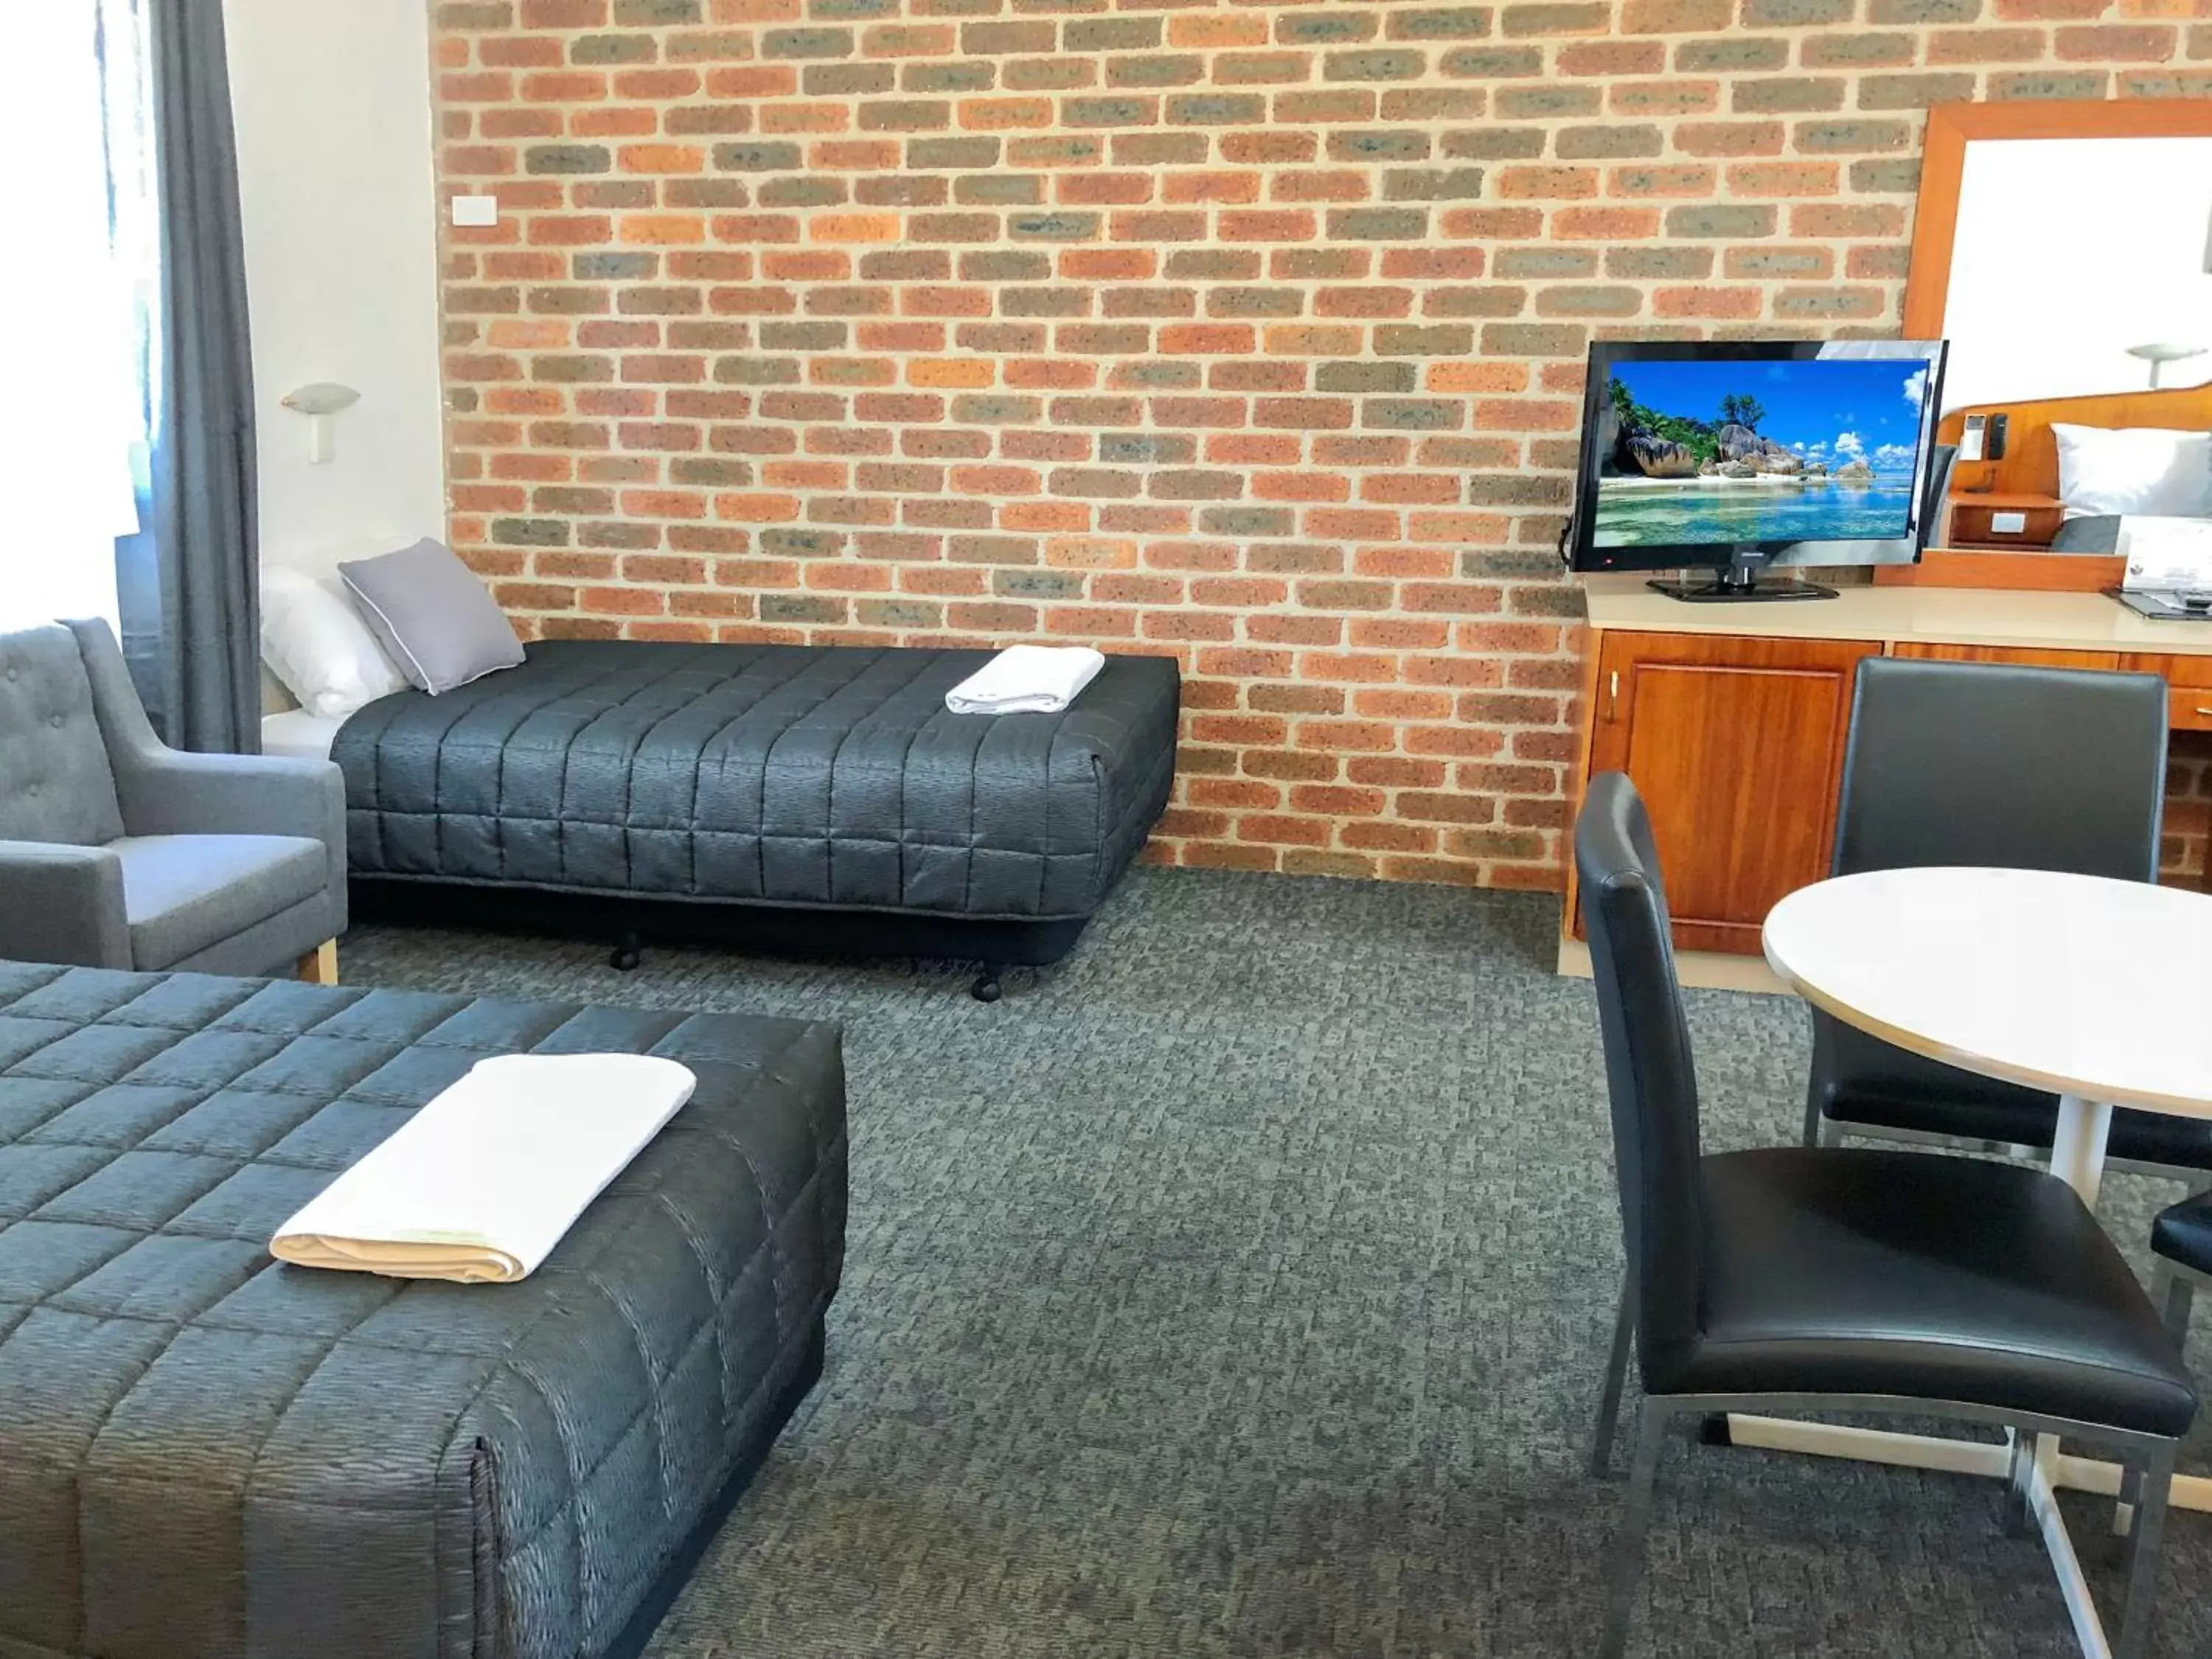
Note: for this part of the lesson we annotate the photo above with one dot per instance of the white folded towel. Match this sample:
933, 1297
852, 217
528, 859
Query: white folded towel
1027, 679
484, 1181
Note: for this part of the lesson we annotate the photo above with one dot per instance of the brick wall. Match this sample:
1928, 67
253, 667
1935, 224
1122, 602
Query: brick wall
2187, 857
1246, 332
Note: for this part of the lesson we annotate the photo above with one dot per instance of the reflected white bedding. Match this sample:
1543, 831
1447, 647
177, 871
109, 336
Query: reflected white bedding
298, 733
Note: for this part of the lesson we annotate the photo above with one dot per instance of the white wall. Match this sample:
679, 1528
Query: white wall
2068, 250
332, 104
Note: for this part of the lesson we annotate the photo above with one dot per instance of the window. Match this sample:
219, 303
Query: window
76, 303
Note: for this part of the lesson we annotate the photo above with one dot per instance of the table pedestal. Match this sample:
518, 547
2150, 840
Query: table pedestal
2077, 1157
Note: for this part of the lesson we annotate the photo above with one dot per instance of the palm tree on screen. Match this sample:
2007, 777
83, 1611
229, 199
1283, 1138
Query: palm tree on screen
1743, 410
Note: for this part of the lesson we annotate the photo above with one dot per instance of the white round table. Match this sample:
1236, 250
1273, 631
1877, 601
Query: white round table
2098, 991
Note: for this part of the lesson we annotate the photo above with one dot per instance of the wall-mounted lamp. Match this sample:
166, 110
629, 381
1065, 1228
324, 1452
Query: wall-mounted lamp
2159, 353
318, 403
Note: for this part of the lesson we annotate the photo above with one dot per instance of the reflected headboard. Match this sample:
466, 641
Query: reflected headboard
2030, 466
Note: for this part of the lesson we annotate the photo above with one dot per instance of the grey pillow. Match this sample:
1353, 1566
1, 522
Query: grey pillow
434, 618
2099, 534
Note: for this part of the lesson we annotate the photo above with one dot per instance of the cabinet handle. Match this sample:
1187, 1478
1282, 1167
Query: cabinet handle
2205, 711
1613, 696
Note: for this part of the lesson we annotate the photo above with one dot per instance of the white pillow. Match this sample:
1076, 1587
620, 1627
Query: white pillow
316, 644
2144, 470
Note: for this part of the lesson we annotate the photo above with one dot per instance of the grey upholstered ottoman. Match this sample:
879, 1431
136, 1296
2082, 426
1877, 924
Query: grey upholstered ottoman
205, 1454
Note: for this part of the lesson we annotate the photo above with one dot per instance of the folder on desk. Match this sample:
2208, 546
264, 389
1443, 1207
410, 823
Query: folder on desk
2169, 567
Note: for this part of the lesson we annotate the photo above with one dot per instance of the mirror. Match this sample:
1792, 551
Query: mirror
2065, 249
2079, 265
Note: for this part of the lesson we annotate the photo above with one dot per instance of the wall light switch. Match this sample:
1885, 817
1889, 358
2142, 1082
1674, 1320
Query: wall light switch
2007, 524
476, 211
1970, 442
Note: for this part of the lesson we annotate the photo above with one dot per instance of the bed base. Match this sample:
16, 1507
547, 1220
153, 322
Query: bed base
637, 1635
634, 922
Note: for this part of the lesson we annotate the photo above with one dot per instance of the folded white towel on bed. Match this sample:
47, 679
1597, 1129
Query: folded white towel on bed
481, 1183
1027, 679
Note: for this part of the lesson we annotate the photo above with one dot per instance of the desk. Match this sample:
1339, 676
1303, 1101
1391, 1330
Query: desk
1732, 720
2094, 988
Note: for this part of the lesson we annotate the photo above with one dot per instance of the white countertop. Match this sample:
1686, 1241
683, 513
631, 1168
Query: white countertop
1950, 616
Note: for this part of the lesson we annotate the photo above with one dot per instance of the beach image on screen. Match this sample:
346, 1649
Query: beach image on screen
1702, 452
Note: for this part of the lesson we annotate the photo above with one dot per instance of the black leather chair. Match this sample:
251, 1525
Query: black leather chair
2181, 1242
1846, 1280
1982, 763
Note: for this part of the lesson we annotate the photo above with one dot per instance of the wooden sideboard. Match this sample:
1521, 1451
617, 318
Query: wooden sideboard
1732, 718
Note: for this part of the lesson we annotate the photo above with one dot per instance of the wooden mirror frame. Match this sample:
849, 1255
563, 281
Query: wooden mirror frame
1951, 128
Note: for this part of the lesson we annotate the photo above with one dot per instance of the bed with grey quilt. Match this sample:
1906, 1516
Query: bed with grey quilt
818, 782
207, 1454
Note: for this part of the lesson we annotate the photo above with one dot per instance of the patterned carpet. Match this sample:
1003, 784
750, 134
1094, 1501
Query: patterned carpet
1240, 1287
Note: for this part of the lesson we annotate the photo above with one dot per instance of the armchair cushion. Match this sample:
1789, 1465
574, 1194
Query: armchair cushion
55, 781
183, 893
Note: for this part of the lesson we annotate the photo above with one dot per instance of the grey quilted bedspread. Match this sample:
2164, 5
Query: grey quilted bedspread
205, 1454
779, 774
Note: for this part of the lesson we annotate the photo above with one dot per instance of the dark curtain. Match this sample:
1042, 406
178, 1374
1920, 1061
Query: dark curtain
187, 584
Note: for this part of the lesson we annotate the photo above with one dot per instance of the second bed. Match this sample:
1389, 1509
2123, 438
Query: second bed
820, 798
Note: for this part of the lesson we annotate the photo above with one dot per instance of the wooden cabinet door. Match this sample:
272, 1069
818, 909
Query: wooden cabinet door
1736, 745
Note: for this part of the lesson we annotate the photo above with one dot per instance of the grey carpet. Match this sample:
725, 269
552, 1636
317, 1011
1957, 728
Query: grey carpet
1241, 1287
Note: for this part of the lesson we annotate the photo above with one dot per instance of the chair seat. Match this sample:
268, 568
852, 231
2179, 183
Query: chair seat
1843, 1271
2183, 1233
1859, 1079
182, 894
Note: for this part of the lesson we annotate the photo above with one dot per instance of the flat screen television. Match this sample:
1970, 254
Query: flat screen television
1734, 455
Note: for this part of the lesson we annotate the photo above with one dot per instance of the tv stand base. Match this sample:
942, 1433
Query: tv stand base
1722, 591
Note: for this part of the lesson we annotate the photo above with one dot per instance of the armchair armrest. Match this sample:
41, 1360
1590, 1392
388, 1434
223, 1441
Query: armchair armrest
175, 792
63, 904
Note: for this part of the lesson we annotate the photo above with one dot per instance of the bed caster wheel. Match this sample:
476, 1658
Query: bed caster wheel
986, 988
625, 957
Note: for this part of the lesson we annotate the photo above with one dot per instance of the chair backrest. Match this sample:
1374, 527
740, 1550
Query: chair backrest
1984, 764
56, 783
1650, 1073
1939, 470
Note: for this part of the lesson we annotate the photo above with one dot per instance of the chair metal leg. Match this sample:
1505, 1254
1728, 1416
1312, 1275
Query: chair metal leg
2018, 1519
1811, 1121
2171, 1294
1616, 1373
2143, 1550
1626, 1566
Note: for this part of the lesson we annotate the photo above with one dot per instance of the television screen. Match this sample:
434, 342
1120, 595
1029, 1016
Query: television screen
1692, 450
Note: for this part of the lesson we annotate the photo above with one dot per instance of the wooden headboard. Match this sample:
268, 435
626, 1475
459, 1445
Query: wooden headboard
2030, 466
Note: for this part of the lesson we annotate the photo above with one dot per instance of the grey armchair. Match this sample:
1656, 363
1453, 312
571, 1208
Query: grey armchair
117, 851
